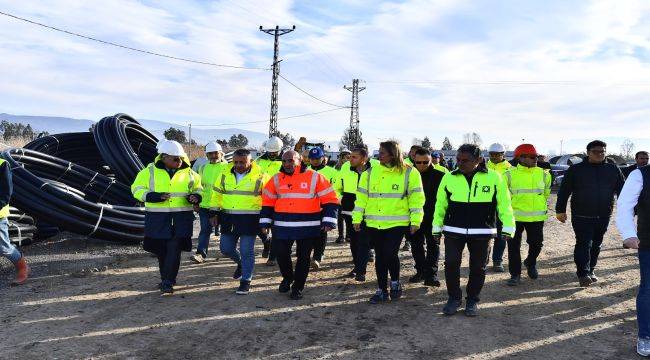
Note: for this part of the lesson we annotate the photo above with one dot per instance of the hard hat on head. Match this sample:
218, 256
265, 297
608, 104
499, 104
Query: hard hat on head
273, 144
497, 148
525, 149
436, 155
212, 146
170, 147
316, 153
345, 151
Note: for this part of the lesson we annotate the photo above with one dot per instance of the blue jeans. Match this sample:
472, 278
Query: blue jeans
205, 232
7, 249
589, 238
643, 297
246, 254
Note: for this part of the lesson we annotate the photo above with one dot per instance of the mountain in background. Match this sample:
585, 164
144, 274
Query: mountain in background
55, 125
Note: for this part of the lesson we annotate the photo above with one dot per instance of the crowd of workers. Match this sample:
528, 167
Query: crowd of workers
484, 205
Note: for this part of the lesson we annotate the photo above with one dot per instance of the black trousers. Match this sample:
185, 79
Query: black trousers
479, 254
589, 238
344, 230
386, 243
534, 238
303, 252
169, 260
359, 246
426, 262
319, 246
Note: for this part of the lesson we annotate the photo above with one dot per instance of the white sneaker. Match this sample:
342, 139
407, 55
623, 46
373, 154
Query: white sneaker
643, 347
197, 258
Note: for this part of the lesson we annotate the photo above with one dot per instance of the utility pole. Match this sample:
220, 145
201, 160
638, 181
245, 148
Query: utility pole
276, 32
189, 155
355, 135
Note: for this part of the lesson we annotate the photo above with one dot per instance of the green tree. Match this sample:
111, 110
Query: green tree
237, 141
175, 134
446, 144
426, 143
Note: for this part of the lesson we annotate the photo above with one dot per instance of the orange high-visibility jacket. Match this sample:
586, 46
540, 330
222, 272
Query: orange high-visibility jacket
297, 205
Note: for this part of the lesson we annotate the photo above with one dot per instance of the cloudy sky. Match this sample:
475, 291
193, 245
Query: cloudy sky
542, 71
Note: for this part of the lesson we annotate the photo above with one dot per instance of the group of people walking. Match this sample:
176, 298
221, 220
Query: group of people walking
482, 205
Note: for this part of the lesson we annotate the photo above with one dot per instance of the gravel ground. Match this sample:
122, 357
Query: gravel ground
117, 312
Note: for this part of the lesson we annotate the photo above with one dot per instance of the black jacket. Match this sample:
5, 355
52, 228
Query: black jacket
592, 188
431, 178
628, 170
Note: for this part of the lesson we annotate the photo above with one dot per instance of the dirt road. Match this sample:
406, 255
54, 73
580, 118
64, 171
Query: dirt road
117, 312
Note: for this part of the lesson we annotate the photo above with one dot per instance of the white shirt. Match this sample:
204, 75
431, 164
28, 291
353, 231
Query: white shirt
239, 176
627, 200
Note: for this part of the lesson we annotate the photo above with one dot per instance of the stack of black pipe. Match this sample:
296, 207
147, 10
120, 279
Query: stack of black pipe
52, 185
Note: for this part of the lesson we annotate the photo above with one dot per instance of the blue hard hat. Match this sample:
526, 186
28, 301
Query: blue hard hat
316, 153
436, 155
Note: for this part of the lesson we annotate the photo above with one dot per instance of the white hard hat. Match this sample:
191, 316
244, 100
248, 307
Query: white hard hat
344, 151
496, 148
273, 144
161, 143
212, 146
170, 147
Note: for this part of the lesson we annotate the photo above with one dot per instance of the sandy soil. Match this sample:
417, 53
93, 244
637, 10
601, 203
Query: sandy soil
115, 310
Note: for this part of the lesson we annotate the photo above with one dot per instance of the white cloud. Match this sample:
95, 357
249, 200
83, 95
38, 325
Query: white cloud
598, 46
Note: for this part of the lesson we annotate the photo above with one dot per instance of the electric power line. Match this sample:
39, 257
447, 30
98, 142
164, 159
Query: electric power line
312, 113
310, 95
105, 42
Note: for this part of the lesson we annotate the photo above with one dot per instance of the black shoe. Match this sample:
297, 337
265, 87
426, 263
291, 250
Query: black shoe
471, 309
514, 280
452, 306
395, 291
593, 277
381, 296
266, 250
347, 240
585, 281
360, 277
244, 287
339, 240
237, 274
532, 270
285, 286
295, 294
497, 266
166, 289
416, 278
432, 281
352, 274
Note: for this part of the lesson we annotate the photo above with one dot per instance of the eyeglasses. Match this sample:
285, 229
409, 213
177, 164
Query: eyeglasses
421, 162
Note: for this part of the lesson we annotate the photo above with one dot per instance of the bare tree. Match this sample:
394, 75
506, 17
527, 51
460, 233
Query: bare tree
472, 138
627, 148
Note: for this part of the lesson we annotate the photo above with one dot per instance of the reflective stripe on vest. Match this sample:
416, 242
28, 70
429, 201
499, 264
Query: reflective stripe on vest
255, 192
388, 217
296, 223
312, 189
390, 195
526, 191
241, 212
168, 210
457, 230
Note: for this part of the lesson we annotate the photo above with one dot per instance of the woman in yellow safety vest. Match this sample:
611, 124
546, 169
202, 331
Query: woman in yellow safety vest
390, 200
169, 189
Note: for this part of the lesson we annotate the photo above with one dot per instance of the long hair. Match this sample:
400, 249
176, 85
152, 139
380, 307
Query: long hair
392, 148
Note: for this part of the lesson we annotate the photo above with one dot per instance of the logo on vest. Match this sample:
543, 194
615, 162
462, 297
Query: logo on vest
486, 189
395, 187
304, 185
